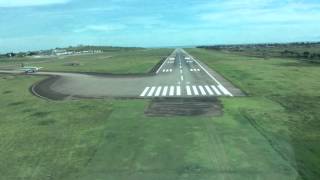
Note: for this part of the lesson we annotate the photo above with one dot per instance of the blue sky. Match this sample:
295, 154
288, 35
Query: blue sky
42, 24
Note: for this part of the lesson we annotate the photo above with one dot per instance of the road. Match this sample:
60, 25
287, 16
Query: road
180, 75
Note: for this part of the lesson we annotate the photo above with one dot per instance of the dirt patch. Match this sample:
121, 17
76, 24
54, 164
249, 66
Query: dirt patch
184, 107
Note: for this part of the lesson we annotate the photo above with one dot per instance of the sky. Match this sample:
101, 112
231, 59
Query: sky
43, 24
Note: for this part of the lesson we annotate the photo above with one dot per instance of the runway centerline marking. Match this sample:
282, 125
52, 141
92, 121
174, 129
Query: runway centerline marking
181, 78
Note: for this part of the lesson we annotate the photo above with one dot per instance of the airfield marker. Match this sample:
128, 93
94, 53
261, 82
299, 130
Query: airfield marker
144, 91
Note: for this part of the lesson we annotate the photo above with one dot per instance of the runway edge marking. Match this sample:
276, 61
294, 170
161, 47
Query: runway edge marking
165, 62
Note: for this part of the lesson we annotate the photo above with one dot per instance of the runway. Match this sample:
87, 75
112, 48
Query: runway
180, 75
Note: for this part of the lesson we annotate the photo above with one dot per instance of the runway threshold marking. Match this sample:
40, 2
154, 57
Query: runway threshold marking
195, 90
175, 90
178, 91
151, 91
224, 90
171, 92
203, 92
216, 90
144, 91
158, 91
165, 90
188, 90
209, 90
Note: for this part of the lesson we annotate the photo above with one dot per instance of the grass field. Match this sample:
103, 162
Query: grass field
271, 134
292, 84
119, 61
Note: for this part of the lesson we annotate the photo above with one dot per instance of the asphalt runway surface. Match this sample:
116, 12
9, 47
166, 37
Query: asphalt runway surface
180, 75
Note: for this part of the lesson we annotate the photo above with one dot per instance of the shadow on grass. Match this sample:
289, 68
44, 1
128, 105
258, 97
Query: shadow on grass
46, 122
40, 114
300, 64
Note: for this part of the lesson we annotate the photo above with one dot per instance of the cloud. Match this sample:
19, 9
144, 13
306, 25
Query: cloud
23, 3
266, 11
101, 28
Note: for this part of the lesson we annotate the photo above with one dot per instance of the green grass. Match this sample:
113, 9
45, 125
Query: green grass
271, 134
119, 61
293, 85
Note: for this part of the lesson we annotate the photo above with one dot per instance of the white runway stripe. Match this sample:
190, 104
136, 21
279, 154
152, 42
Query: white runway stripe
151, 91
216, 90
165, 90
188, 90
144, 91
191, 70
195, 90
203, 92
209, 90
181, 78
158, 91
224, 90
178, 91
171, 93
167, 70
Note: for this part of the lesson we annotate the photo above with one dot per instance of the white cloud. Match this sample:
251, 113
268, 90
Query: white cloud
251, 11
22, 3
101, 28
